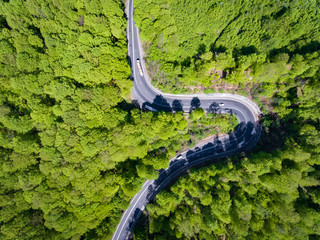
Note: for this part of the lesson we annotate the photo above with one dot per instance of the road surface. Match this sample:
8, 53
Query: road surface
245, 136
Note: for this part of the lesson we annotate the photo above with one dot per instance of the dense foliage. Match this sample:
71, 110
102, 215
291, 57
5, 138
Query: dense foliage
63, 71
203, 125
72, 151
265, 46
266, 196
272, 48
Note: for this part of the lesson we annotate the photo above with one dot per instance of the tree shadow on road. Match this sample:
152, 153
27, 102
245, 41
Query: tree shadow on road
177, 106
213, 108
195, 103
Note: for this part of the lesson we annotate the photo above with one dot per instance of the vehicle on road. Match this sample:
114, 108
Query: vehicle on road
147, 107
197, 149
144, 94
139, 67
241, 143
179, 157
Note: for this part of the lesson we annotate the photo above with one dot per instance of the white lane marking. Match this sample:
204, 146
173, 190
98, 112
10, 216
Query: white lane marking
145, 183
135, 196
211, 97
133, 207
247, 102
142, 193
140, 190
224, 140
132, 41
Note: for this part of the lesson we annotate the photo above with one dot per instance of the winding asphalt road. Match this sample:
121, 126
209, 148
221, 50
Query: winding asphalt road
245, 136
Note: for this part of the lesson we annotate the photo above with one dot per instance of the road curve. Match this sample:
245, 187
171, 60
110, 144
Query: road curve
144, 95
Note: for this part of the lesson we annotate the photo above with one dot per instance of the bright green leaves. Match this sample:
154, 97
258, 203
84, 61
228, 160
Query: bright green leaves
22, 161
91, 114
34, 40
7, 53
212, 46
211, 201
25, 62
59, 89
147, 171
308, 96
224, 61
202, 125
63, 71
271, 72
163, 127
196, 114
167, 204
20, 124
113, 11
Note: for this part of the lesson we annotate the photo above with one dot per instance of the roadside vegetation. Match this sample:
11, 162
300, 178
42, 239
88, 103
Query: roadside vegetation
263, 196
208, 126
268, 51
73, 149
260, 49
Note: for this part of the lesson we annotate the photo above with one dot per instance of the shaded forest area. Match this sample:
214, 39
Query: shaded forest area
272, 48
73, 149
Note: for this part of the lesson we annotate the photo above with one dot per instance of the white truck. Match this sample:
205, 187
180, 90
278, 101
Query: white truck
139, 67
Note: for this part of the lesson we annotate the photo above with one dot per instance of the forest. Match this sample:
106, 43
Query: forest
269, 52
257, 48
74, 149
